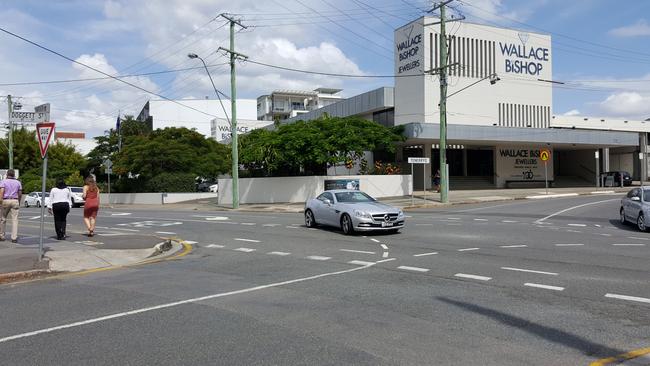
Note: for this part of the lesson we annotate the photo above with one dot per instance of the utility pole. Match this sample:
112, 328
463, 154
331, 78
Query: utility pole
444, 178
11, 133
233, 104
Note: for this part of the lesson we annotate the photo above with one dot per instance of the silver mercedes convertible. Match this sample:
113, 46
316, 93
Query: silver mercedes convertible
352, 210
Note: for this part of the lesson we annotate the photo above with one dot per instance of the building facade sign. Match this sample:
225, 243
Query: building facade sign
522, 163
220, 127
409, 50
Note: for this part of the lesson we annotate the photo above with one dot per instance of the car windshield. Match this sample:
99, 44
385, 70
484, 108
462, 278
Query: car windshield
646, 195
76, 189
353, 197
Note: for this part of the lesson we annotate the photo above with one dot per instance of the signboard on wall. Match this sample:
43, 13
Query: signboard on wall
409, 49
523, 163
341, 184
220, 128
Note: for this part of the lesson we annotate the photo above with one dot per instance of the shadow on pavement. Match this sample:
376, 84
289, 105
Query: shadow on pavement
550, 334
629, 226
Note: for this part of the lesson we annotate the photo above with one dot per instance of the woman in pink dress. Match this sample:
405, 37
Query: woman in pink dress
91, 195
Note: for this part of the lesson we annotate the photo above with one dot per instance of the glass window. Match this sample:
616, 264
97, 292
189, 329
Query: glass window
353, 197
76, 189
325, 196
646, 195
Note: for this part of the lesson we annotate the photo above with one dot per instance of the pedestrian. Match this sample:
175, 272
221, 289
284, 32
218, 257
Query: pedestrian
59, 207
436, 181
11, 192
91, 195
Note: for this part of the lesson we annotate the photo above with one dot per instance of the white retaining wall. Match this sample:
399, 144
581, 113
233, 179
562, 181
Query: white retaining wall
300, 189
153, 198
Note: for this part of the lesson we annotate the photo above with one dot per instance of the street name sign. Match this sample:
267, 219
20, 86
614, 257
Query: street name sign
45, 132
419, 160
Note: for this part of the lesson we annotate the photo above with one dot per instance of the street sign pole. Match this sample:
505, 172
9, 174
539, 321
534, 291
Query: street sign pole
412, 185
546, 176
40, 240
44, 133
424, 184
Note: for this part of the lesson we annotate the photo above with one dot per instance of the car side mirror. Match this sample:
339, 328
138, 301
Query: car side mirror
327, 201
636, 198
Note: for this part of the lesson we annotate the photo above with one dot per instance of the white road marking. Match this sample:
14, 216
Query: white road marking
361, 263
384, 255
473, 277
384, 246
247, 240
35, 217
318, 258
568, 245
509, 221
375, 240
356, 251
415, 224
165, 232
245, 250
605, 234
248, 223
278, 253
468, 249
217, 218
123, 229
291, 227
513, 246
414, 269
423, 254
453, 218
581, 225
573, 208
602, 192
121, 214
625, 297
629, 245
214, 246
271, 225
480, 219
407, 216
182, 302
574, 231
454, 224
546, 287
528, 270
637, 238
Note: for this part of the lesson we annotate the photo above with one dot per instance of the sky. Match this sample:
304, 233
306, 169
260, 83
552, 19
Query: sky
601, 50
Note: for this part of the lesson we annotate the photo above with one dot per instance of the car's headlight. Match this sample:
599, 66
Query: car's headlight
400, 213
362, 214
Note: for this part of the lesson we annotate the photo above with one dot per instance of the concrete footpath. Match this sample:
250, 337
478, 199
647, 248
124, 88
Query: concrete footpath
78, 252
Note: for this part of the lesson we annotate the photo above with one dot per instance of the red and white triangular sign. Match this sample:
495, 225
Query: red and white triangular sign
45, 131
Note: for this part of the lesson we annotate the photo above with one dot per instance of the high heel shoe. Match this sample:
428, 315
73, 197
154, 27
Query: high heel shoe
91, 233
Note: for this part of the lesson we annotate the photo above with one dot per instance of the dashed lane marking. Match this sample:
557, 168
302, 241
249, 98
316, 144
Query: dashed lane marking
248, 223
361, 263
453, 218
247, 240
629, 298
546, 287
579, 225
480, 219
384, 246
513, 246
629, 245
568, 245
217, 218
423, 224
425, 254
468, 249
165, 232
357, 251
271, 225
123, 229
121, 214
528, 270
279, 253
35, 217
190, 242
473, 277
215, 246
245, 250
291, 227
509, 221
318, 258
637, 238
414, 269
375, 240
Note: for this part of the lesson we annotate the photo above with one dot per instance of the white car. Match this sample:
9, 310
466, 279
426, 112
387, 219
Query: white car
34, 199
77, 196
214, 188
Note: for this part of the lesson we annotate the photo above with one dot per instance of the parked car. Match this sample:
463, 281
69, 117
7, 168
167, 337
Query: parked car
34, 199
214, 188
352, 210
635, 207
205, 186
77, 196
627, 179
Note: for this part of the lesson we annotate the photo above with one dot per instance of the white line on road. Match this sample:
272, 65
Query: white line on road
121, 214
468, 249
528, 270
271, 225
214, 246
573, 208
622, 297
247, 240
318, 258
384, 255
473, 277
415, 224
165, 232
480, 219
384, 246
356, 251
292, 227
509, 221
453, 218
454, 224
217, 218
568, 245
513, 246
190, 242
580, 225
123, 229
248, 223
637, 238
605, 234
414, 269
278, 253
630, 245
361, 263
423, 254
546, 287
182, 302
573, 231
375, 240
35, 217
245, 250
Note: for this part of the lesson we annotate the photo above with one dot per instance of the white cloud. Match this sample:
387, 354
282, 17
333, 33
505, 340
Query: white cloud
626, 104
638, 29
573, 112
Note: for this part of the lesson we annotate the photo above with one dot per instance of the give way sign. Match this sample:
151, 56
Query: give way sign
45, 131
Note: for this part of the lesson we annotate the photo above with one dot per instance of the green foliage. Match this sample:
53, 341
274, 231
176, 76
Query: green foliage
309, 147
172, 182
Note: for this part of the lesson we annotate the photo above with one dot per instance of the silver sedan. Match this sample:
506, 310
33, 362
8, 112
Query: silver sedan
352, 210
635, 207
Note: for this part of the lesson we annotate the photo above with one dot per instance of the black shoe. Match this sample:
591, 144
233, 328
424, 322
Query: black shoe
14, 240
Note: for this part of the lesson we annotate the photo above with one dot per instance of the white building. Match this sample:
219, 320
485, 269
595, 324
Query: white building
283, 104
220, 128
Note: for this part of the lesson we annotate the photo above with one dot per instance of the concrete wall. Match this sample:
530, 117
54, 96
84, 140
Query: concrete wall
153, 198
300, 189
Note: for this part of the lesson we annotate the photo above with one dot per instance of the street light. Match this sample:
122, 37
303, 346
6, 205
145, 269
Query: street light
235, 157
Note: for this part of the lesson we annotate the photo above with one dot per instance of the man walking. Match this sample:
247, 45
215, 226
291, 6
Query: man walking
11, 192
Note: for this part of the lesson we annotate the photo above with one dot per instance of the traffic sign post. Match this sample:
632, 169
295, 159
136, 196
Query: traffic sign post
422, 161
108, 169
45, 132
545, 154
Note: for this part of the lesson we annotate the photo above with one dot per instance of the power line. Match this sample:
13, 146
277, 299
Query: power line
330, 73
99, 71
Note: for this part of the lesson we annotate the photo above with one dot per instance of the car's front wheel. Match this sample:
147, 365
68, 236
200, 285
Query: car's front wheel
38, 203
346, 224
26, 204
623, 219
310, 221
640, 222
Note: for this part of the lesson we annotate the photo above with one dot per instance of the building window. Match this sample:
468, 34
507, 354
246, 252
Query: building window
431, 52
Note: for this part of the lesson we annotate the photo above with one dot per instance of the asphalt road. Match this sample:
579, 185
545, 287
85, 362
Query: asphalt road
549, 282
